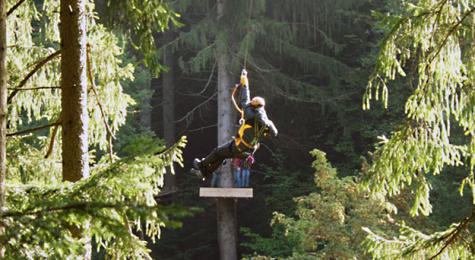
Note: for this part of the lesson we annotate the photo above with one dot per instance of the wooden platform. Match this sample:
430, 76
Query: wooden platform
226, 192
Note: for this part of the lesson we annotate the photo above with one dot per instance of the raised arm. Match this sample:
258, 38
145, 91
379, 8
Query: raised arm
245, 96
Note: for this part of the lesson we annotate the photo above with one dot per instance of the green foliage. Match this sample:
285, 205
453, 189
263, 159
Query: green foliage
116, 199
430, 42
40, 38
281, 185
455, 242
44, 215
327, 224
268, 38
140, 20
135, 135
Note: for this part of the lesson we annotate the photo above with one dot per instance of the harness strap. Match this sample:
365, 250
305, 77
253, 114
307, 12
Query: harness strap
239, 139
258, 132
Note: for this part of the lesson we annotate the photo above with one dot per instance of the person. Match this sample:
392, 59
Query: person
236, 163
256, 124
215, 179
246, 172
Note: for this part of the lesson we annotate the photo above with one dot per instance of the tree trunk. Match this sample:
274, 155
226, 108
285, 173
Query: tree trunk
168, 104
74, 116
226, 219
3, 110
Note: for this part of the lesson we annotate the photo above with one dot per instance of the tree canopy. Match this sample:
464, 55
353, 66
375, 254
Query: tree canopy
373, 100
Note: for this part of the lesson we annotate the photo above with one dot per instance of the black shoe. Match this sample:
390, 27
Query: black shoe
197, 173
196, 164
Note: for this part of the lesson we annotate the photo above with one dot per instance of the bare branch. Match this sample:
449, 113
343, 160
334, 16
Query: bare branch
207, 83
32, 72
35, 88
53, 138
202, 128
13, 8
190, 113
90, 75
26, 131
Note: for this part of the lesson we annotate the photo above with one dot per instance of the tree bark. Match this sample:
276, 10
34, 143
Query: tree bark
226, 217
74, 116
168, 104
3, 111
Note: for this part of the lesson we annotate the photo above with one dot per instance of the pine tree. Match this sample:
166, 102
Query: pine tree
168, 103
226, 216
118, 197
431, 43
328, 223
3, 112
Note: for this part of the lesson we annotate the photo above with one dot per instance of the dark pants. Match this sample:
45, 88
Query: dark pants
218, 155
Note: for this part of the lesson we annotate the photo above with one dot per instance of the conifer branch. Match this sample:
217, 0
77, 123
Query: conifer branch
84, 206
26, 131
452, 236
451, 31
13, 8
90, 75
32, 72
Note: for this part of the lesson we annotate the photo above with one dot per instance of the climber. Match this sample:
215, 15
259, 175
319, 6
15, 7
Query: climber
254, 125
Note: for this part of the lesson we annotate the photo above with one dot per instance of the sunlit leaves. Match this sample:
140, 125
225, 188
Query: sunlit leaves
39, 38
114, 200
328, 223
432, 43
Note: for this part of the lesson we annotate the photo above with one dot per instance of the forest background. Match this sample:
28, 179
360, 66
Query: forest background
312, 61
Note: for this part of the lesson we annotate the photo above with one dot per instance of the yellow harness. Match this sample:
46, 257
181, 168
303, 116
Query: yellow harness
240, 140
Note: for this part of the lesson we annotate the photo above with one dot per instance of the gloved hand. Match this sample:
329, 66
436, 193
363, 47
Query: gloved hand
250, 160
244, 80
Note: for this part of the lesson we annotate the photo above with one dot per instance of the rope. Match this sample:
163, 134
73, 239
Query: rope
246, 48
241, 121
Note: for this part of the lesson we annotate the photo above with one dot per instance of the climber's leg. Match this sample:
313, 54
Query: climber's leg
209, 164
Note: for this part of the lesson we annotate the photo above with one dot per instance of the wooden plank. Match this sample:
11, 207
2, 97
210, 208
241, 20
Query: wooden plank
226, 192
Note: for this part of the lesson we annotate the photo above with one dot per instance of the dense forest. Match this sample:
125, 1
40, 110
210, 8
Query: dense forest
105, 104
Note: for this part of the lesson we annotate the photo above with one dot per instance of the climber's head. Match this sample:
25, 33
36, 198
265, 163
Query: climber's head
258, 102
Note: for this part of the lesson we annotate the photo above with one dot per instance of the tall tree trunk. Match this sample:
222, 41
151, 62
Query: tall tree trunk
168, 103
3, 110
226, 219
74, 116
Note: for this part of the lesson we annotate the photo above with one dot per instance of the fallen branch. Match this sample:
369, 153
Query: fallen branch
32, 72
